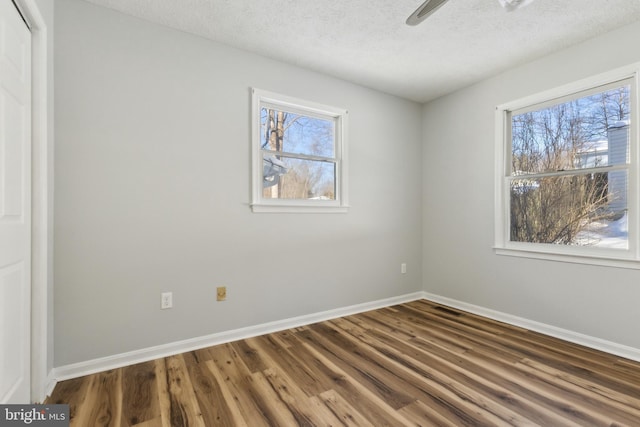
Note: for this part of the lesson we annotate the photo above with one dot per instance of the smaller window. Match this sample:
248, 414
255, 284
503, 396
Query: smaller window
298, 149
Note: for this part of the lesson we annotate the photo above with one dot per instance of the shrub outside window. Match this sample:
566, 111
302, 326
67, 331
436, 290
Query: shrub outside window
567, 187
299, 161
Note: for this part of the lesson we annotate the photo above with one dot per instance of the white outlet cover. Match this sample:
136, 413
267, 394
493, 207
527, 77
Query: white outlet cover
166, 300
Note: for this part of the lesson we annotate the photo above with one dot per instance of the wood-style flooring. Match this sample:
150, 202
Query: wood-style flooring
414, 364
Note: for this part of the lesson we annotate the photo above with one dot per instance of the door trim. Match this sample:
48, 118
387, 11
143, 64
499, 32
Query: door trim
41, 207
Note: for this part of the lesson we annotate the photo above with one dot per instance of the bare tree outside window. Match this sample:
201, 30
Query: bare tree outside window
299, 161
304, 146
568, 169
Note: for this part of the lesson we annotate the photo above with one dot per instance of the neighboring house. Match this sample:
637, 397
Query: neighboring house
612, 151
595, 154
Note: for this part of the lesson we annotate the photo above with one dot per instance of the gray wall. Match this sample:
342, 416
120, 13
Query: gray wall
152, 190
458, 213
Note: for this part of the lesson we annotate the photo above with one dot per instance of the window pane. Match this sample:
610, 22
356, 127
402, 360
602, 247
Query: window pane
289, 178
587, 132
578, 209
283, 131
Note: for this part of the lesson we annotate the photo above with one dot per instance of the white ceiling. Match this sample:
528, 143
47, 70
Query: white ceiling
368, 42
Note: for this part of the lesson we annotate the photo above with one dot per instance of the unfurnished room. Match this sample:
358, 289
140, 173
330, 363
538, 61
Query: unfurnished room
296, 213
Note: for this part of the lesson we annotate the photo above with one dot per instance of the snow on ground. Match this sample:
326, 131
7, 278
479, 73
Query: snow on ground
606, 234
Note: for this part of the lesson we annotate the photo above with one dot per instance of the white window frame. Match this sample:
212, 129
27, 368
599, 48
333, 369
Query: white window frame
566, 253
260, 98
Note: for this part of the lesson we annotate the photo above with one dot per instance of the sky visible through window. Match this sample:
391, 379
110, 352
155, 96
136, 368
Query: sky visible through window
306, 147
553, 198
302, 134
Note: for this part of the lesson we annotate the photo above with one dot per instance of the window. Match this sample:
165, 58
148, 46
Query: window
299, 155
567, 183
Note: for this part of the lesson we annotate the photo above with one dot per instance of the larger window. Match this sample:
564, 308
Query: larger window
568, 182
299, 155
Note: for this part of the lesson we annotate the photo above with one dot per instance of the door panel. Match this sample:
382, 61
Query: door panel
15, 206
11, 300
12, 185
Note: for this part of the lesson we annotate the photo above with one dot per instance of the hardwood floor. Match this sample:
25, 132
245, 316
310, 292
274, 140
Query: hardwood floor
414, 364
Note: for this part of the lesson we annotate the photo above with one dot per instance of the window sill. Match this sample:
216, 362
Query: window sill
256, 208
602, 261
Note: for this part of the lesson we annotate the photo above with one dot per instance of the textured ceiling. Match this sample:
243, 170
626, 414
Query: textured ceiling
368, 42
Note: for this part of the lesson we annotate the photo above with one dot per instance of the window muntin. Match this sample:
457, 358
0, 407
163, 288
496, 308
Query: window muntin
568, 180
299, 155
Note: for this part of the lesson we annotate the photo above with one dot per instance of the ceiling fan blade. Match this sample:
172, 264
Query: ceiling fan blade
511, 5
426, 9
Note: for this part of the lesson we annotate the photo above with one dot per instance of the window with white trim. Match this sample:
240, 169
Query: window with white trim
567, 172
299, 155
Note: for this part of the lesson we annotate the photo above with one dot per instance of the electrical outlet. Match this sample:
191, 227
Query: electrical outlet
166, 300
403, 268
221, 293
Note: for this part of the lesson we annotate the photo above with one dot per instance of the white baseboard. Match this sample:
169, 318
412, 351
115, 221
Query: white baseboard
144, 355
564, 334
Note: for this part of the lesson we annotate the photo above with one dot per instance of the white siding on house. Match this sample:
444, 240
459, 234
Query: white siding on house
618, 136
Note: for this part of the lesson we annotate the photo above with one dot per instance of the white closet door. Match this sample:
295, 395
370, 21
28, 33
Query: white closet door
15, 206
